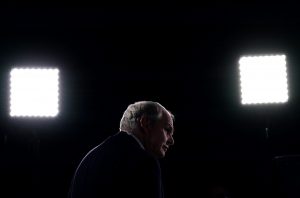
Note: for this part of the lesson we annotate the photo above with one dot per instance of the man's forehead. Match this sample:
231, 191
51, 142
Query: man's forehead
168, 118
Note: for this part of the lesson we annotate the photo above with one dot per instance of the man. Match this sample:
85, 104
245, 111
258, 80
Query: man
126, 164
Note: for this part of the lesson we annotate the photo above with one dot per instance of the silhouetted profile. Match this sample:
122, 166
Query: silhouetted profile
126, 164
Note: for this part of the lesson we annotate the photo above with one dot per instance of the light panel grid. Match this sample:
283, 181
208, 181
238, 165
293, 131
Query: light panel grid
263, 79
34, 92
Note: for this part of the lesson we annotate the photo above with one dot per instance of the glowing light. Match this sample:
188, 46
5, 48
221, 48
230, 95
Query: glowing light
34, 92
263, 79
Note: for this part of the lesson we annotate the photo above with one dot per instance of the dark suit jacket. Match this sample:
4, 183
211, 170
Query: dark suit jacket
118, 167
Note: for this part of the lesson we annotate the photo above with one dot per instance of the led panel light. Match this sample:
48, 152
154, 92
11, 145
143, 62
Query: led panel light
34, 92
263, 79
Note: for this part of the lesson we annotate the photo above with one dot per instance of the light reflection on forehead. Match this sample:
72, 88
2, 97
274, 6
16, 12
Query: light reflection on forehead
167, 120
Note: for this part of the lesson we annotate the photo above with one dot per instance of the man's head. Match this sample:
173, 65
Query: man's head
152, 124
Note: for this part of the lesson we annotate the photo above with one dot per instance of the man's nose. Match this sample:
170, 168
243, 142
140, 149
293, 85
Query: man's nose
170, 140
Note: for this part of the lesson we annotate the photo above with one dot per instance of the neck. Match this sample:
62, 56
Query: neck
139, 136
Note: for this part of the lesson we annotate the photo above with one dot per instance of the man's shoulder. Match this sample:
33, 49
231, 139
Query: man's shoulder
118, 142
126, 145
118, 139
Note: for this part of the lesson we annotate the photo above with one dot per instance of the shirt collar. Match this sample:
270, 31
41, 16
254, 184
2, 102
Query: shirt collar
137, 139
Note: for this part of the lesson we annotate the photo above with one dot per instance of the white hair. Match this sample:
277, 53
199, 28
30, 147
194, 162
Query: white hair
130, 119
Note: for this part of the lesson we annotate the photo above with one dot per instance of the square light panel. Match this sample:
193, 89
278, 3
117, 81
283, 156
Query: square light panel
34, 92
263, 79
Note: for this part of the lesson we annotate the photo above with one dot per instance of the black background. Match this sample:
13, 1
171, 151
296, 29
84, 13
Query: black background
182, 55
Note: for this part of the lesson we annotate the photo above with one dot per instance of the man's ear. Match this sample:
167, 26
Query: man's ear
145, 123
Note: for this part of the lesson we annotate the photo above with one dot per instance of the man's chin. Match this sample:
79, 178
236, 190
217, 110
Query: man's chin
159, 154
162, 154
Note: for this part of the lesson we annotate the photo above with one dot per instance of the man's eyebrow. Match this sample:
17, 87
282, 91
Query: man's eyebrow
170, 127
